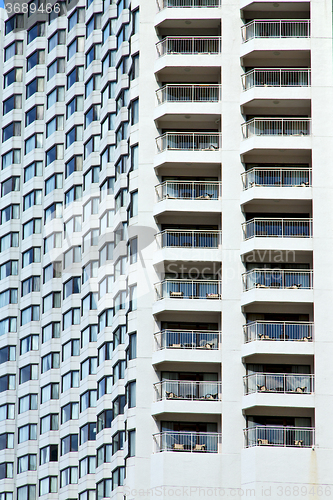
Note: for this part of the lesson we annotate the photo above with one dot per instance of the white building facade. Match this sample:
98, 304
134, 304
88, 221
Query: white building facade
165, 271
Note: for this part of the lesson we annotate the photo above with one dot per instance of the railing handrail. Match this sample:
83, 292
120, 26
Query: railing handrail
253, 70
198, 37
191, 85
181, 134
189, 231
277, 219
277, 270
276, 169
281, 436
184, 280
188, 433
263, 382
195, 382
269, 118
164, 183
218, 332
263, 322
276, 21
271, 374
164, 4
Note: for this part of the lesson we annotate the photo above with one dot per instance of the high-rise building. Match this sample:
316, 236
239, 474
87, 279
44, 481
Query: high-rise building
165, 271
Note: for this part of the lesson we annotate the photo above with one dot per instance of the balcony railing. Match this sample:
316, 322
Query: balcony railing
276, 127
277, 228
186, 4
189, 93
187, 339
276, 78
188, 390
188, 289
197, 442
277, 177
189, 45
188, 239
279, 28
278, 330
266, 435
189, 141
277, 278
287, 383
188, 190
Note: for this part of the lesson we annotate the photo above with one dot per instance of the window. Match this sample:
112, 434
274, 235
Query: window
37, 30
55, 13
7, 411
94, 83
9, 268
69, 412
119, 301
105, 352
68, 476
133, 298
88, 367
118, 371
72, 286
50, 361
55, 153
104, 489
88, 494
48, 454
89, 271
106, 253
71, 348
27, 462
52, 241
57, 123
48, 485
6, 441
74, 165
71, 256
54, 211
105, 286
131, 443
133, 250
58, 66
89, 334
132, 346
37, 57
105, 319
33, 226
70, 380
36, 85
74, 194
118, 476
11, 130
90, 208
104, 386
34, 142
9, 212
31, 313
104, 454
69, 443
88, 433
73, 225
134, 112
52, 300
87, 466
49, 423
27, 492
28, 402
71, 317
29, 343
104, 420
89, 303
27, 432
119, 336
77, 45
35, 169
35, 113
14, 23
106, 221
108, 61
15, 75
91, 146
8, 325
51, 331
49, 391
30, 285
108, 124
76, 75
8, 297
56, 95
28, 372
131, 394
88, 400
30, 256
51, 271
13, 102
12, 157
134, 72
8, 241
93, 114
133, 210
14, 49
93, 54
58, 38
76, 104
7, 383
77, 17
107, 187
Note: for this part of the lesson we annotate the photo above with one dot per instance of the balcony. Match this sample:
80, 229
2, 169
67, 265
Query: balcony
277, 177
278, 331
188, 190
282, 383
187, 4
276, 127
188, 390
279, 28
193, 45
189, 339
277, 279
171, 238
198, 93
191, 442
284, 77
189, 141
188, 289
277, 228
299, 437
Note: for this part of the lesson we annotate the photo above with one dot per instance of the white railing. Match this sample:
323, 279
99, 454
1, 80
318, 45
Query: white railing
277, 177
186, 4
188, 289
187, 339
276, 126
267, 435
188, 93
278, 331
277, 228
283, 77
188, 390
277, 278
189, 190
287, 383
188, 45
204, 442
171, 238
279, 28
189, 141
